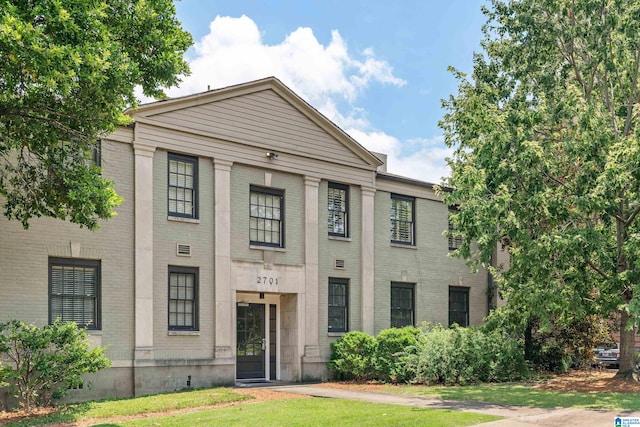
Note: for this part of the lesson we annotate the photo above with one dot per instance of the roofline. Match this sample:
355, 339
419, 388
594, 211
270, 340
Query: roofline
280, 88
406, 180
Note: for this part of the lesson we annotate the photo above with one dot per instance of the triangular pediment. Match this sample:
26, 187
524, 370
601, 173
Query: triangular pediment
264, 113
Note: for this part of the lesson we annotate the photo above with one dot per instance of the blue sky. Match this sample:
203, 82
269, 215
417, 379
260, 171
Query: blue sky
378, 69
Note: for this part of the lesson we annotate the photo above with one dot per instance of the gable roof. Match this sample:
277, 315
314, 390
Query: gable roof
263, 113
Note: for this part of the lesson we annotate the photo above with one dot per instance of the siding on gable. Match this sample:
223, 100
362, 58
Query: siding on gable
262, 119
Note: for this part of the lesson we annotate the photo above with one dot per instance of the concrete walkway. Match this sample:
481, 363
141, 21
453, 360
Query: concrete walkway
515, 416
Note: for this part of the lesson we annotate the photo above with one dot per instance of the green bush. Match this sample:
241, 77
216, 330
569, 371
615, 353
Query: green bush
467, 355
39, 364
352, 356
395, 354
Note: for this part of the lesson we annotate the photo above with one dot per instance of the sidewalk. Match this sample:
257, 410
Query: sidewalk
515, 416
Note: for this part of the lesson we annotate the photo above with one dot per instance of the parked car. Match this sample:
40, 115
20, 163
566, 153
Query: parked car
608, 356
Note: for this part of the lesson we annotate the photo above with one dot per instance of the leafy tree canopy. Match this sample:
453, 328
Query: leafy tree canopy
68, 69
546, 158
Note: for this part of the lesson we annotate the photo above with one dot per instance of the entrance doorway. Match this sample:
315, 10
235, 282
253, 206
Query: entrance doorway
251, 343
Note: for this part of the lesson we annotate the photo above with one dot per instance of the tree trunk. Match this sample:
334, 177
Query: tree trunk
628, 369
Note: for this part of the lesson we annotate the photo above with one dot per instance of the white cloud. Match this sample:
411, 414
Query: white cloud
328, 77
233, 52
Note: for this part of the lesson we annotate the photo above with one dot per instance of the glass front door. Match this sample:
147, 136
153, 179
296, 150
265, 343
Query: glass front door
251, 342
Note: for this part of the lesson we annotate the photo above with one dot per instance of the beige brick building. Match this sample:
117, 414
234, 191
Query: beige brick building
253, 233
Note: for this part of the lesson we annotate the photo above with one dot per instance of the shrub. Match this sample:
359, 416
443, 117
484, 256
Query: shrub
39, 364
467, 355
395, 354
352, 356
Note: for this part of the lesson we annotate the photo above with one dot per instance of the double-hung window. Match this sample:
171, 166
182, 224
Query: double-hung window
338, 305
402, 305
338, 210
74, 291
402, 226
266, 217
183, 298
183, 186
455, 240
458, 305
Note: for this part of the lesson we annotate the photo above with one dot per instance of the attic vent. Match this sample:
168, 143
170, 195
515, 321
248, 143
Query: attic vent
339, 264
183, 250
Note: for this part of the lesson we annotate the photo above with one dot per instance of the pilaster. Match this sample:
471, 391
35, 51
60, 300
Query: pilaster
224, 314
311, 225
368, 261
143, 204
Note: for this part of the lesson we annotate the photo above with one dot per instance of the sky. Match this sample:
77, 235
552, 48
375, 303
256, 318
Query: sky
377, 69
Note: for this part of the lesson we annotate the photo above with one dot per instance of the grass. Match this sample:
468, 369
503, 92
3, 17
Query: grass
139, 405
523, 395
316, 412
294, 412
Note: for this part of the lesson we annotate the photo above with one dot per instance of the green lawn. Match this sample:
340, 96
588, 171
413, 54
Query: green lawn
316, 412
139, 405
523, 395
294, 412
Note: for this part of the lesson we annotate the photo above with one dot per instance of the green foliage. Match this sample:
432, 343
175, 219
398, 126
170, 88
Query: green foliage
40, 363
552, 346
429, 355
353, 356
467, 355
395, 353
68, 71
546, 146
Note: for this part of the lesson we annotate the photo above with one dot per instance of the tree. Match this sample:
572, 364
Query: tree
68, 71
38, 364
546, 158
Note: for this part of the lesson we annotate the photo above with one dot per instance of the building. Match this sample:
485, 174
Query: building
253, 233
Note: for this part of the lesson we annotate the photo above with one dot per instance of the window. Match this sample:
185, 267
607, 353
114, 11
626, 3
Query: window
183, 186
183, 298
338, 206
402, 305
338, 305
402, 220
455, 241
74, 291
458, 306
96, 153
266, 217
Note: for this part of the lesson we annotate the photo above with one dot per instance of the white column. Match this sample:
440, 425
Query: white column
368, 260
311, 185
222, 238
143, 205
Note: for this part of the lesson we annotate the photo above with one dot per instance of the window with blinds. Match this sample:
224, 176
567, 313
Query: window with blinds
338, 210
183, 186
455, 240
402, 226
74, 291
